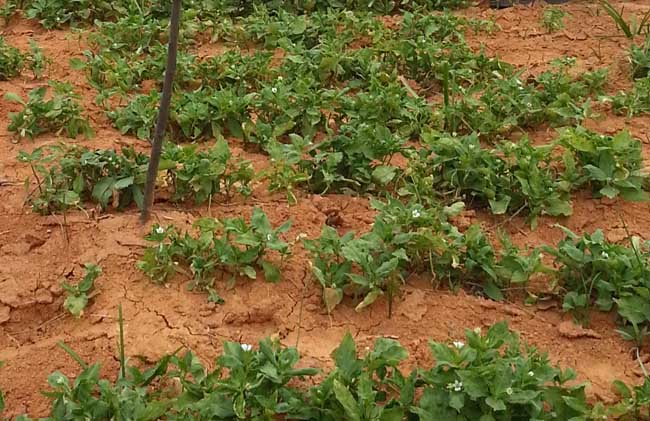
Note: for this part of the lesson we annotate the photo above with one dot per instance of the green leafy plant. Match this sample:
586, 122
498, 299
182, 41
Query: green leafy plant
66, 175
634, 102
634, 402
78, 295
592, 271
38, 61
228, 246
284, 171
411, 238
553, 19
60, 114
203, 174
12, 61
490, 374
612, 165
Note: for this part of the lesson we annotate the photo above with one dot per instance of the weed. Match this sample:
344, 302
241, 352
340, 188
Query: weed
61, 113
553, 19
78, 295
632, 28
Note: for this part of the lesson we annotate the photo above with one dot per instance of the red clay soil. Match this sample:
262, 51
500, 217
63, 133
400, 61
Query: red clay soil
36, 254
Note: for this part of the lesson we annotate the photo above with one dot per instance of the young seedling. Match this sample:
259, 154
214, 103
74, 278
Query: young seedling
553, 19
78, 295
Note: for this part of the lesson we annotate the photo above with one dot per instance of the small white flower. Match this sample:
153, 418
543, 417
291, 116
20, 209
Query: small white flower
269, 237
477, 330
280, 78
456, 386
604, 255
160, 230
454, 134
415, 214
246, 347
274, 90
459, 344
110, 159
471, 147
509, 391
301, 236
531, 374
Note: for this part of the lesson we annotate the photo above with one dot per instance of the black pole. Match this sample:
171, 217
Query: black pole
163, 111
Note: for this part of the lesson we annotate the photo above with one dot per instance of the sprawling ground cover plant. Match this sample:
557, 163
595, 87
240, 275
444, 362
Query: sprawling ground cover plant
612, 165
518, 177
489, 375
228, 246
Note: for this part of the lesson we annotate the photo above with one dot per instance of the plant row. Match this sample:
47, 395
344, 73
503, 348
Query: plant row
406, 239
489, 376
511, 178
66, 176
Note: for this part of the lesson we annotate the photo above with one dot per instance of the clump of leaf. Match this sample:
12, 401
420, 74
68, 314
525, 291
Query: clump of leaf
285, 172
12, 61
633, 102
78, 295
62, 113
222, 248
489, 374
510, 179
612, 165
595, 272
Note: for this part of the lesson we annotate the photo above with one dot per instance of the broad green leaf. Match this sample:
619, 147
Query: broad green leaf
347, 401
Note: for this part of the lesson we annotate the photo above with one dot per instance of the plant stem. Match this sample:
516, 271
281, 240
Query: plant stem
163, 111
